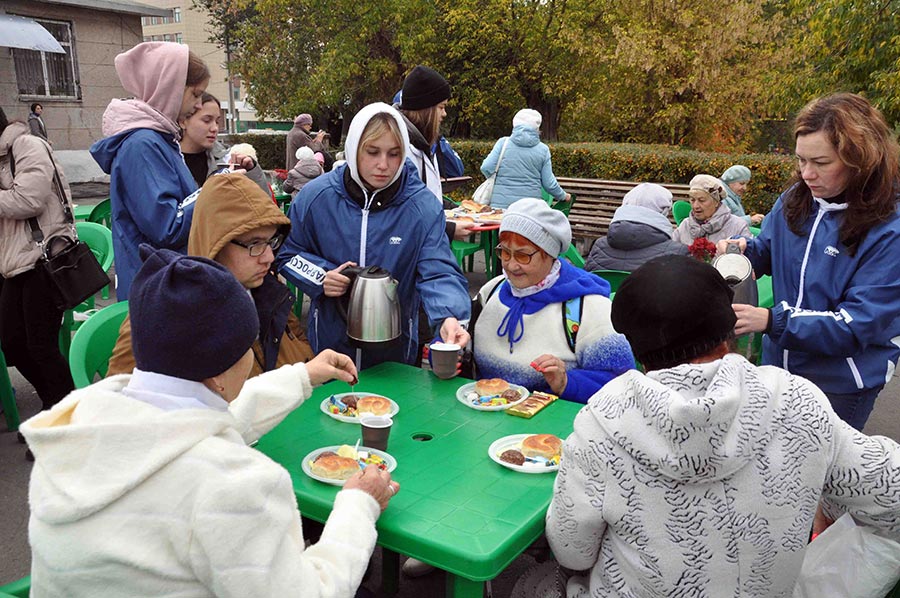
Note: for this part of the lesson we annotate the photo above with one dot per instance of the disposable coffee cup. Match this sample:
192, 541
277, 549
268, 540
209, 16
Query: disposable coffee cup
375, 431
444, 358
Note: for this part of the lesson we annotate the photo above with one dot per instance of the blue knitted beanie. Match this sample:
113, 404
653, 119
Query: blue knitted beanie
190, 317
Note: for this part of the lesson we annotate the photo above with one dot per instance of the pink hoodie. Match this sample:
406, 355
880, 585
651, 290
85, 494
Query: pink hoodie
156, 73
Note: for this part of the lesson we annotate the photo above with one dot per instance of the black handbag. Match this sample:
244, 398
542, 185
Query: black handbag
70, 267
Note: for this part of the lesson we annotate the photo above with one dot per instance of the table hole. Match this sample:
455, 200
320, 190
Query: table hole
422, 436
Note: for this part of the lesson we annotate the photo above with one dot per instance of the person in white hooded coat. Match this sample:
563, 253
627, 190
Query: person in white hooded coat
703, 476
144, 485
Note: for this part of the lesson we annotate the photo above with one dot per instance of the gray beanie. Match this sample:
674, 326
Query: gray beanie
736, 173
539, 223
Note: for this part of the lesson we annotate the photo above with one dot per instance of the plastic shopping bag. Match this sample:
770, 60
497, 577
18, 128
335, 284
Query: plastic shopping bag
848, 560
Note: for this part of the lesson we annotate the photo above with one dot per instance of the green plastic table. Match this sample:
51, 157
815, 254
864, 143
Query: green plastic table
456, 509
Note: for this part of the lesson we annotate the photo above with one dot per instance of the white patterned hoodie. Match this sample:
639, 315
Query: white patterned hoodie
133, 497
703, 480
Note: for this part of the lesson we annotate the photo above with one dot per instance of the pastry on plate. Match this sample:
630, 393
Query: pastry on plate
487, 387
473, 206
541, 445
373, 404
331, 466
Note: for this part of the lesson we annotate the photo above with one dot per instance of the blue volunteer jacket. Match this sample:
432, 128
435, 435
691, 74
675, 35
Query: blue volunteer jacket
406, 237
835, 319
150, 195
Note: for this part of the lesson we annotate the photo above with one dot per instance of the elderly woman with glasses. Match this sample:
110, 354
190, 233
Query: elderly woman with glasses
710, 217
545, 324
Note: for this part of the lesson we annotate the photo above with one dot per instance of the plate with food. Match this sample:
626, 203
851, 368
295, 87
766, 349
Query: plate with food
336, 464
527, 453
491, 394
347, 406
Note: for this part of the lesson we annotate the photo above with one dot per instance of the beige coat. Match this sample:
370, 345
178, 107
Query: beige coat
31, 194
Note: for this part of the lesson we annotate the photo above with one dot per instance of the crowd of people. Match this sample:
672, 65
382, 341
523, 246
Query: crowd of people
690, 470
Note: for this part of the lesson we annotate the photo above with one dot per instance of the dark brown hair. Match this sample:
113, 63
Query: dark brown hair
197, 71
864, 143
427, 121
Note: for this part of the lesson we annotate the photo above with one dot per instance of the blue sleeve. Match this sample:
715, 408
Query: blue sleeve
759, 249
453, 164
599, 363
156, 199
865, 314
548, 180
299, 261
490, 163
441, 285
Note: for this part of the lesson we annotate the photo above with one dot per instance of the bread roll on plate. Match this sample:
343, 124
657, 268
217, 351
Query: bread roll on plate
374, 405
331, 466
487, 387
541, 445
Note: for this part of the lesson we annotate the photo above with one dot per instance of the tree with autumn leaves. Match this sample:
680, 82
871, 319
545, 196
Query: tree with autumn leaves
700, 73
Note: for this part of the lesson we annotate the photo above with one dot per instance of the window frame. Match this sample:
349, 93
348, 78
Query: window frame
72, 65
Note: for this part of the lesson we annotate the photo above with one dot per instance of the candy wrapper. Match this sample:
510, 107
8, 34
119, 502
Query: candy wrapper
532, 405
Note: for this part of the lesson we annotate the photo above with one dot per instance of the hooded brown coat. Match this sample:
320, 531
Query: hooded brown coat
227, 207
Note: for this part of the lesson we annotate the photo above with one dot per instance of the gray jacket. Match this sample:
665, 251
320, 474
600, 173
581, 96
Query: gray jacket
636, 235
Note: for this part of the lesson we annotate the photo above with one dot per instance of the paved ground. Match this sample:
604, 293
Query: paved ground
15, 470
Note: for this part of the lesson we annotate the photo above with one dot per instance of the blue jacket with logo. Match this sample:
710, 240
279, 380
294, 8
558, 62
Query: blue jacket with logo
150, 190
835, 319
406, 237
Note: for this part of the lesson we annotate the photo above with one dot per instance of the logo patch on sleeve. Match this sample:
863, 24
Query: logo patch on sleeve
306, 269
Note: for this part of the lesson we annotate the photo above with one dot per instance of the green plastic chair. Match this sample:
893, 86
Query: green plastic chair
563, 206
680, 210
298, 301
8, 397
573, 256
99, 239
613, 277
754, 230
17, 589
94, 342
463, 249
102, 214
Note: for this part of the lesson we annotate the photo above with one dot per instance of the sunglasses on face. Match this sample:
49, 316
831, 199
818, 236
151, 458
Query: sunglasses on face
257, 248
520, 256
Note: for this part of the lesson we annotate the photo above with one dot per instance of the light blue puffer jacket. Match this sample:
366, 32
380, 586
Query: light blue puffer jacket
525, 168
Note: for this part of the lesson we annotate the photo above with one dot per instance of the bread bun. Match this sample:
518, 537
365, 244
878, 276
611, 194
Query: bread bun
329, 465
464, 220
373, 404
541, 445
491, 386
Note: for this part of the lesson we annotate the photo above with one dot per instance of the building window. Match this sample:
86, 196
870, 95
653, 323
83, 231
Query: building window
179, 38
177, 12
45, 74
147, 38
168, 37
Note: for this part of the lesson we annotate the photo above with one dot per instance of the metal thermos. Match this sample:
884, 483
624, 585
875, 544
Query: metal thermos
373, 310
737, 271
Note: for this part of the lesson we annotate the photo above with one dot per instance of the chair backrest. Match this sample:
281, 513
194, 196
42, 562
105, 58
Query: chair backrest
93, 344
102, 214
17, 589
99, 239
573, 256
563, 206
680, 210
613, 277
754, 230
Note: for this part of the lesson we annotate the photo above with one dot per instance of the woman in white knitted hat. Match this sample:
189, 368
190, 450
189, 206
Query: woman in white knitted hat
525, 168
710, 217
545, 324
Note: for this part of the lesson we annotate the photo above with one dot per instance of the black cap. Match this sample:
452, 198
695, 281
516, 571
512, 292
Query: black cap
673, 309
423, 88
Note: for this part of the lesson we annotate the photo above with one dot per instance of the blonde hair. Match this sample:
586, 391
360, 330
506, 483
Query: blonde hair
378, 125
427, 120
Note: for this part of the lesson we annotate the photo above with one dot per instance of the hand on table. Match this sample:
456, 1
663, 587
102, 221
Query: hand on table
750, 319
554, 372
722, 245
329, 365
462, 232
376, 483
336, 284
454, 334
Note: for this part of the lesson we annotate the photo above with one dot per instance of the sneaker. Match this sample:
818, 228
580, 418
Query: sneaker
416, 568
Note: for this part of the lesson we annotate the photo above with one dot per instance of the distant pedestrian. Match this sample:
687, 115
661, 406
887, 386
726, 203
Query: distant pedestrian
36, 123
301, 136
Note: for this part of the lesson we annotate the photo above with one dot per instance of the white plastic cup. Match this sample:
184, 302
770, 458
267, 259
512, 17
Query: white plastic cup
444, 358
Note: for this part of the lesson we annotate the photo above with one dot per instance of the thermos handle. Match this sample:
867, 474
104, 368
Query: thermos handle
733, 248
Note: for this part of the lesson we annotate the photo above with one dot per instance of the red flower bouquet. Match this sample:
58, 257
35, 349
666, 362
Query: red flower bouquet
702, 249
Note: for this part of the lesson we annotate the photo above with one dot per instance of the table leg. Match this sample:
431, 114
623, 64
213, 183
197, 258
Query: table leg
390, 572
460, 587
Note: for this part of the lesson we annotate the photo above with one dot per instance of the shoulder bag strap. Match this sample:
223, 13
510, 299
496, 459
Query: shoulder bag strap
500, 159
60, 190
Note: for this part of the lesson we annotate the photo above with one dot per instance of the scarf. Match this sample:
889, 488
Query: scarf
715, 223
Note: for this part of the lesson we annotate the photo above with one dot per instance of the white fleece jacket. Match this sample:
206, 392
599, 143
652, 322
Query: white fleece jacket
703, 480
130, 500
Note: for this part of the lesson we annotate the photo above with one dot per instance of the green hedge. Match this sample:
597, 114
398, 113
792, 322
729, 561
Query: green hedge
656, 163
614, 161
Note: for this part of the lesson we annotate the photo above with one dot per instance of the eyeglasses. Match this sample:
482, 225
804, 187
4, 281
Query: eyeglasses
520, 256
257, 248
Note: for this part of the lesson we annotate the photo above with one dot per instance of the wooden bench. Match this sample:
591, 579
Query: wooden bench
596, 202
